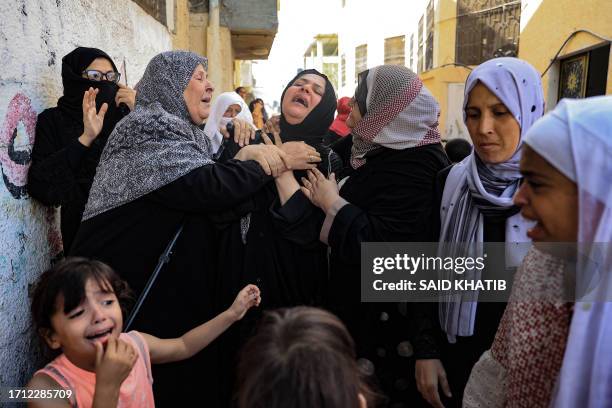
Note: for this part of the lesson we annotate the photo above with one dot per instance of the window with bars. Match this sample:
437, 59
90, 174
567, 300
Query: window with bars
429, 44
420, 62
361, 59
487, 29
395, 49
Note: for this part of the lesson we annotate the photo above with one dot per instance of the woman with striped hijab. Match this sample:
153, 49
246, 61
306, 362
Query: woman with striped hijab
385, 195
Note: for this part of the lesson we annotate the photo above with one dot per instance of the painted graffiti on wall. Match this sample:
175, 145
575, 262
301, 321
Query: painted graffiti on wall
19, 124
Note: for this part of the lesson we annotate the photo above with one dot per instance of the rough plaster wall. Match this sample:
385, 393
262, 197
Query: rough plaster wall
34, 35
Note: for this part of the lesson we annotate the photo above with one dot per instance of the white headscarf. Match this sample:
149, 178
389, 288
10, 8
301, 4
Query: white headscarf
216, 119
576, 138
474, 187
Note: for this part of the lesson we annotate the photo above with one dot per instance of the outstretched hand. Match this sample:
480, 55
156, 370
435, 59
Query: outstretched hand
247, 298
92, 119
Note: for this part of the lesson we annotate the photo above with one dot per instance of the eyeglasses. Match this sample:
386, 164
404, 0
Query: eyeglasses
95, 75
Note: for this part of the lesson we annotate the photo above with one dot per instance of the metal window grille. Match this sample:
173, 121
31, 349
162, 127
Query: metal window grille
487, 29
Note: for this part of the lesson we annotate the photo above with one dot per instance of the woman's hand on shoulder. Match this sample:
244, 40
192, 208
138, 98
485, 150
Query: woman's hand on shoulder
322, 192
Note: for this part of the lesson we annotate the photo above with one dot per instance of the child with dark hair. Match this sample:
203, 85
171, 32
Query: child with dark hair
457, 149
301, 357
77, 308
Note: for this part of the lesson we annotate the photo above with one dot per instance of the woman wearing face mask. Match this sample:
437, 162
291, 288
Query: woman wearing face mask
386, 196
66, 152
227, 106
155, 175
503, 98
566, 191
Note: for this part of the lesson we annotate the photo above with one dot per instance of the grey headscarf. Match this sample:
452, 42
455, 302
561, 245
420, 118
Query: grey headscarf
155, 144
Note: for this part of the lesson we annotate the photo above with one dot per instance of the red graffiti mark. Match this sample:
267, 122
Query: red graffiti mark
15, 163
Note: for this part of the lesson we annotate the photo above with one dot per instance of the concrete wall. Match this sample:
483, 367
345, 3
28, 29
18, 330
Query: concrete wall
34, 35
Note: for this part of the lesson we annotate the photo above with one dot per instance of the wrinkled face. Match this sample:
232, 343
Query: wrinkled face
548, 197
494, 131
355, 116
232, 111
96, 319
302, 97
198, 94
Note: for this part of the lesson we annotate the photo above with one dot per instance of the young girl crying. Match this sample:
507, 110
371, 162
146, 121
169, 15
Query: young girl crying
77, 308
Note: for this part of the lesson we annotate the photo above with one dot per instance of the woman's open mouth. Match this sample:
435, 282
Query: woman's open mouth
300, 100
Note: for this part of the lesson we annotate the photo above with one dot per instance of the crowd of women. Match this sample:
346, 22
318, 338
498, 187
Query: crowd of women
280, 225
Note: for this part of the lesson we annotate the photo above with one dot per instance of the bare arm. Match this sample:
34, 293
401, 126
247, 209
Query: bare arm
287, 185
169, 350
44, 382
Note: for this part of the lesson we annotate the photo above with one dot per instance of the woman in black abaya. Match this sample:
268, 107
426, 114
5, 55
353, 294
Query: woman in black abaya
66, 153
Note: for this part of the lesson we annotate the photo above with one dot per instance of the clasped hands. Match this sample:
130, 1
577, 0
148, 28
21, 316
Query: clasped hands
277, 157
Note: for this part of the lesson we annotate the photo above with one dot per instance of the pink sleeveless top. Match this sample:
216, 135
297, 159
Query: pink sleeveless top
135, 392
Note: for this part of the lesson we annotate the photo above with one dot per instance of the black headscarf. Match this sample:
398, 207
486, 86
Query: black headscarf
71, 103
315, 126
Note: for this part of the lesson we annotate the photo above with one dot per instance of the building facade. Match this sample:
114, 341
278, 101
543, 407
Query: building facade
443, 40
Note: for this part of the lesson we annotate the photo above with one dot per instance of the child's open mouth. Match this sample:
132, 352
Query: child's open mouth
101, 335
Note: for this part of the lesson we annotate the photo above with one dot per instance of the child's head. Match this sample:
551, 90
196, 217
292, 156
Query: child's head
300, 357
76, 303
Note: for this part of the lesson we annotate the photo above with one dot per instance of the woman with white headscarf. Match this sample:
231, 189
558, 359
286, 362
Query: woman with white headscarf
567, 168
227, 106
503, 98
385, 195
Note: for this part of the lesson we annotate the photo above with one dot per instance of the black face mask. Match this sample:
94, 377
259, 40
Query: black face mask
71, 103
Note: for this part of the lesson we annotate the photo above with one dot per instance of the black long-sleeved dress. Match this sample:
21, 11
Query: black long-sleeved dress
391, 199
130, 238
281, 254
63, 169
429, 340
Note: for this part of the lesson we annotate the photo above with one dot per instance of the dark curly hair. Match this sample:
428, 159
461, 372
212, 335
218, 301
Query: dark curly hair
301, 357
68, 279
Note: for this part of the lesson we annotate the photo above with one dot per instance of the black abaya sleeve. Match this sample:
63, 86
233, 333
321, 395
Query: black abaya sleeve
52, 176
214, 187
398, 210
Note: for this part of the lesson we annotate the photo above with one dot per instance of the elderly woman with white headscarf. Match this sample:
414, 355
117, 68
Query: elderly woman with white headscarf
539, 358
225, 107
503, 98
